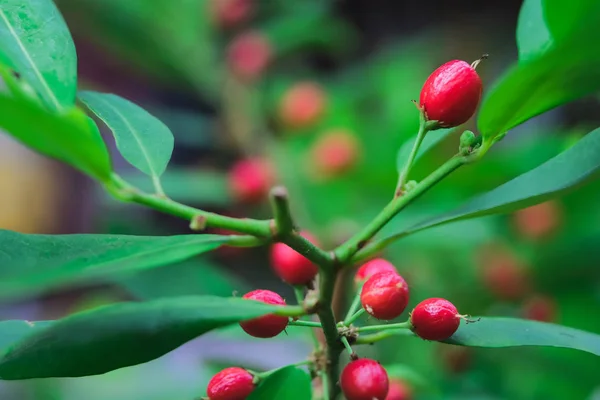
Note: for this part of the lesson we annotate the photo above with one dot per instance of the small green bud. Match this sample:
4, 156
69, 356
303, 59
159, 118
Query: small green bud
468, 141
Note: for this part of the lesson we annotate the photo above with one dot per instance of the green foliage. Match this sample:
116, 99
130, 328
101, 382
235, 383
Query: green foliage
510, 332
431, 140
69, 136
570, 169
36, 42
142, 139
118, 335
286, 383
34, 263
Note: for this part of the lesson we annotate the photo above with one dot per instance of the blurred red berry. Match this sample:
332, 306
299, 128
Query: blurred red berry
364, 379
451, 93
455, 359
228, 13
385, 295
250, 180
435, 319
539, 308
302, 105
249, 55
291, 266
335, 153
503, 274
399, 390
269, 325
372, 267
539, 221
230, 384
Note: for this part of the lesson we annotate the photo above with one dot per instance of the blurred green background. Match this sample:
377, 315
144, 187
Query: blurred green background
364, 62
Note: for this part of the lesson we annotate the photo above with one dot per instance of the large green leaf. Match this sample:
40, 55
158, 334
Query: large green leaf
120, 335
33, 263
142, 139
70, 136
287, 383
36, 42
572, 168
511, 332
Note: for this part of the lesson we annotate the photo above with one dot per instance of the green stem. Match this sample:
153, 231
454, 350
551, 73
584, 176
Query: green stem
423, 129
290, 311
400, 325
284, 223
353, 307
344, 340
344, 252
325, 385
354, 317
376, 337
311, 324
125, 192
303, 246
158, 186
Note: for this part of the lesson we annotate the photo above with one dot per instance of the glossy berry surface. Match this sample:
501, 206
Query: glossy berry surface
250, 180
335, 152
230, 384
451, 94
385, 295
435, 319
364, 379
269, 325
399, 390
248, 55
291, 266
372, 267
302, 105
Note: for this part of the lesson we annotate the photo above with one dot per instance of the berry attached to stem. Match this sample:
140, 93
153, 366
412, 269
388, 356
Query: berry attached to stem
230, 384
385, 295
269, 325
372, 267
452, 93
435, 319
364, 379
291, 266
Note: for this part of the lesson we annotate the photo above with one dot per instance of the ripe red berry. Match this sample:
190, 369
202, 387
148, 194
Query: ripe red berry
384, 295
335, 152
451, 94
228, 13
302, 105
435, 319
364, 379
504, 275
269, 325
250, 180
399, 390
372, 267
539, 221
248, 55
291, 266
539, 308
230, 384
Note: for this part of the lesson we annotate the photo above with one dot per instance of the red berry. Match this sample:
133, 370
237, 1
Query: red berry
250, 180
384, 295
539, 221
302, 105
451, 93
372, 267
230, 384
335, 152
399, 390
291, 266
228, 13
364, 379
435, 319
249, 54
539, 308
269, 325
504, 274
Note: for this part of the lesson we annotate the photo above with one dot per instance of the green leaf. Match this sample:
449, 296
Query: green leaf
14, 330
70, 136
286, 383
430, 141
34, 263
511, 332
36, 42
570, 169
142, 139
120, 335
